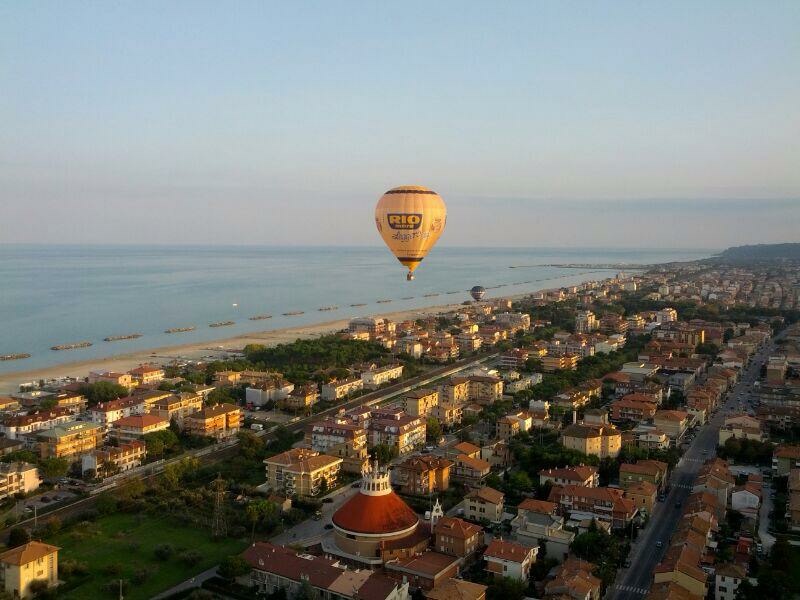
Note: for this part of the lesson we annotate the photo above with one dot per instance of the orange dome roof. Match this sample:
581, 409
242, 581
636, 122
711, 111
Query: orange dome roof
386, 513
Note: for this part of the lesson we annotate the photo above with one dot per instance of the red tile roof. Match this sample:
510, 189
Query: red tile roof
375, 514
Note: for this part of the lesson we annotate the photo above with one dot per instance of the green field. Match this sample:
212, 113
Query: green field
118, 546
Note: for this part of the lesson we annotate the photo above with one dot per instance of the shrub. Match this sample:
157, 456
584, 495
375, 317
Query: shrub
163, 551
190, 557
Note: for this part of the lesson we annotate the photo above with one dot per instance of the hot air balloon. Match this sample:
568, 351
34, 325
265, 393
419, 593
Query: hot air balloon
410, 219
477, 292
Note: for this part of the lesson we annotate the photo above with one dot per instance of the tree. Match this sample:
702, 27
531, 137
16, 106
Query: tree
505, 588
233, 566
18, 536
103, 391
433, 430
384, 453
53, 467
306, 591
259, 510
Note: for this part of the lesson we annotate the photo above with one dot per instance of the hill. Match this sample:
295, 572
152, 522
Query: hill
763, 252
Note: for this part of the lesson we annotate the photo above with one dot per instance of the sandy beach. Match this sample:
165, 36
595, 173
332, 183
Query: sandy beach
10, 382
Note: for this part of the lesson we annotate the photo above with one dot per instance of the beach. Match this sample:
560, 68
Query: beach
10, 382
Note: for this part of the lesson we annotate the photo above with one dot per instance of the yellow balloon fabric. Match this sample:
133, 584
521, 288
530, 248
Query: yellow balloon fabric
410, 219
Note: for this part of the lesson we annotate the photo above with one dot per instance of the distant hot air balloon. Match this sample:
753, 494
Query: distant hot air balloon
410, 219
477, 292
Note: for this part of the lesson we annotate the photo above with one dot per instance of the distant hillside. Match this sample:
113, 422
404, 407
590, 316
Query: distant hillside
763, 252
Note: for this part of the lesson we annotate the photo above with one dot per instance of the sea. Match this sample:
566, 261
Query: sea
53, 295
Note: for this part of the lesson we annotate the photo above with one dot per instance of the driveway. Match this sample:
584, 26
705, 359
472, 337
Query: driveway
309, 532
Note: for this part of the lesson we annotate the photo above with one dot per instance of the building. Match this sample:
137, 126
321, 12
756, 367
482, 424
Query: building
275, 389
301, 398
599, 440
107, 413
177, 407
339, 437
538, 521
375, 525
509, 559
275, 568
301, 472
456, 589
583, 475
18, 478
602, 504
784, 459
20, 567
574, 580
423, 475
485, 389
421, 402
672, 422
69, 440
109, 460
135, 427
457, 537
681, 566
652, 471
14, 426
219, 422
424, 571
643, 495
741, 427
147, 374
484, 503
633, 407
379, 376
586, 322
564, 362
727, 578
470, 470
340, 389
513, 424
393, 427
123, 379
372, 325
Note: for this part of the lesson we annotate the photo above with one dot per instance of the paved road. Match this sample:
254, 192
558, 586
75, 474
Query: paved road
634, 582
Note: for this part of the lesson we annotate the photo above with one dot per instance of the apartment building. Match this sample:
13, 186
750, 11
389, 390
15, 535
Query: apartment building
599, 440
108, 460
341, 438
586, 322
301, 398
633, 407
582, 475
69, 440
107, 413
422, 475
18, 478
219, 422
123, 379
14, 426
275, 389
301, 472
135, 427
652, 471
564, 362
421, 402
513, 424
603, 504
177, 407
147, 375
340, 389
395, 428
379, 376
672, 422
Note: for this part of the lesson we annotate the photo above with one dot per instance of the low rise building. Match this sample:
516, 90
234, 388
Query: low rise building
672, 422
457, 537
582, 475
484, 503
652, 471
603, 504
109, 460
563, 362
177, 407
509, 559
24, 566
341, 438
379, 376
574, 579
598, 440
421, 402
147, 374
784, 459
341, 388
537, 521
727, 578
15, 426
395, 428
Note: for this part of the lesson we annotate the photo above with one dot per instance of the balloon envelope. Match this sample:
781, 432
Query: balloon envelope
477, 292
410, 219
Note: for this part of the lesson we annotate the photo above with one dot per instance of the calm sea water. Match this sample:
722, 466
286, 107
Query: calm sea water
61, 294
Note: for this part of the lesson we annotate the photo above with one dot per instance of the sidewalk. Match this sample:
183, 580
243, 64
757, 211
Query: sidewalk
194, 582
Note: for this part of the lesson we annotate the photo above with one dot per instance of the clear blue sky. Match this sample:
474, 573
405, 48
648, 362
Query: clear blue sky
557, 123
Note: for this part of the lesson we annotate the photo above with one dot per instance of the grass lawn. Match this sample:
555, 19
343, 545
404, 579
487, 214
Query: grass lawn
128, 541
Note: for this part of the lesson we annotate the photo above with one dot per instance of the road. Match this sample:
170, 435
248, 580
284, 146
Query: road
634, 582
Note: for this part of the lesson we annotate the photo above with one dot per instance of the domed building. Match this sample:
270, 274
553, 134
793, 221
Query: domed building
375, 525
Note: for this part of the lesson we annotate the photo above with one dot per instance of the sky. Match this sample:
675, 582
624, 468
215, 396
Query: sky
625, 124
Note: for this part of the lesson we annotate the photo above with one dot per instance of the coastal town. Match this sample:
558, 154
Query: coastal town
630, 437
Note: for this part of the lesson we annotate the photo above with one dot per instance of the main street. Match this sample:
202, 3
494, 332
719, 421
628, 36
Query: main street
634, 582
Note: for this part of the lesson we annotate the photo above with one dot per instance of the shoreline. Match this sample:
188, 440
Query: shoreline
10, 382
